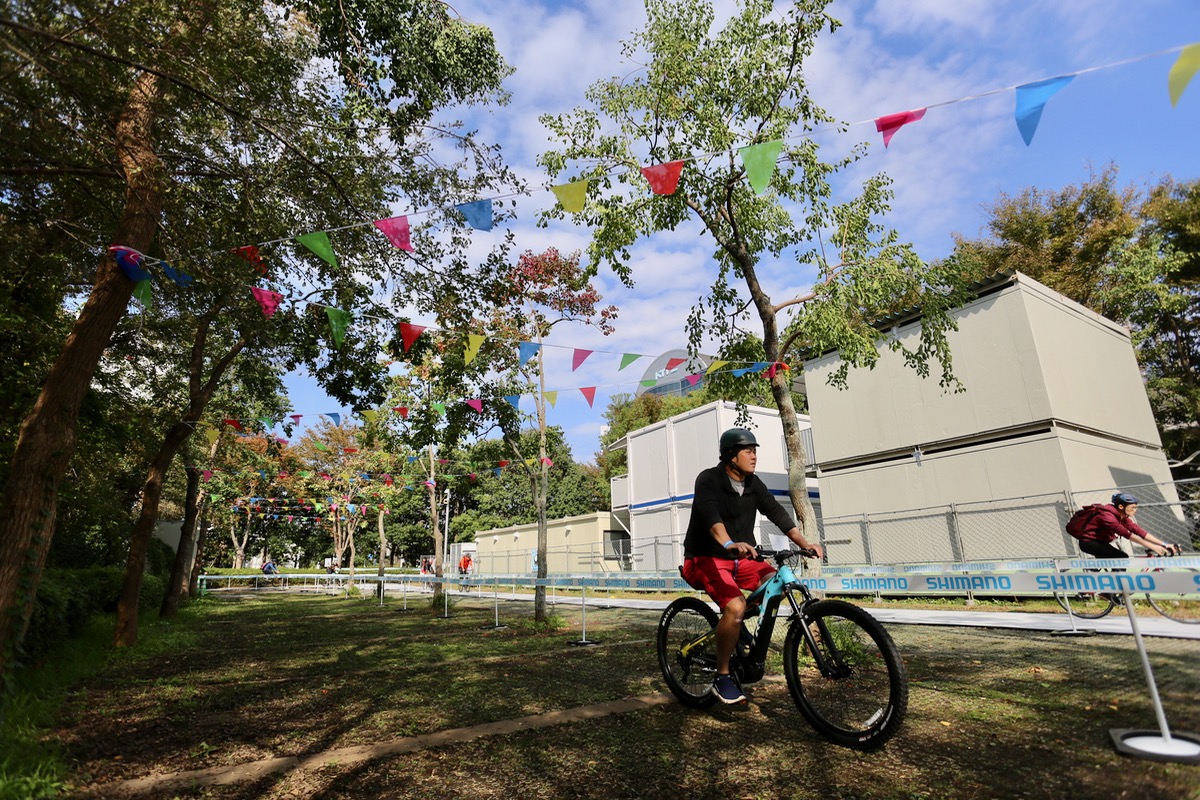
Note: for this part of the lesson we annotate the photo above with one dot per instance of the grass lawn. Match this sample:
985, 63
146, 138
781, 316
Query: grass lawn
247, 677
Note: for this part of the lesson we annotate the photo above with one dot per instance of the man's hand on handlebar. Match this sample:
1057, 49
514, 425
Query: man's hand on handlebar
742, 550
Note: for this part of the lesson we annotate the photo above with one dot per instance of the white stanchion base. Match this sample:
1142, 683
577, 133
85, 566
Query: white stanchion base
584, 643
1182, 748
1074, 632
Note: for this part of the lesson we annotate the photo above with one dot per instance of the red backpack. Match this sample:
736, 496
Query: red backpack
1080, 519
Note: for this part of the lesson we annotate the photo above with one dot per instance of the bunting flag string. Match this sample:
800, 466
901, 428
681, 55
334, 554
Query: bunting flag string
758, 161
766, 368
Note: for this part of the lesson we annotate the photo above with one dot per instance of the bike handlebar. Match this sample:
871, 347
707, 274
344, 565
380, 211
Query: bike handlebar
783, 555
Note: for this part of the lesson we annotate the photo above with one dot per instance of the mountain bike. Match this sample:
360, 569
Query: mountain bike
843, 670
1094, 605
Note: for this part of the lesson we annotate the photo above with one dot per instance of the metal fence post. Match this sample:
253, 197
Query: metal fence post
956, 545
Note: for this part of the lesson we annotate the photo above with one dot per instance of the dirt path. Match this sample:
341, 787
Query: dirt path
346, 756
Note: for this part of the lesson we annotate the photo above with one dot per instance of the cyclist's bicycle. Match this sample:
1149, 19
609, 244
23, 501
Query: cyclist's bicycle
842, 668
1094, 605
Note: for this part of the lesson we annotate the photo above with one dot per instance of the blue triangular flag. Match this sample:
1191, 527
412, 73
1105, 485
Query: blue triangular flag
478, 214
180, 279
515, 399
527, 350
337, 418
1031, 99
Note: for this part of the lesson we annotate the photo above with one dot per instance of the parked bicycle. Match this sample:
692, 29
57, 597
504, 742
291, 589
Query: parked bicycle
843, 670
1094, 605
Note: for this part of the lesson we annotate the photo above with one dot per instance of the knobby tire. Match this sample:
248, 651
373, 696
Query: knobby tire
863, 704
688, 677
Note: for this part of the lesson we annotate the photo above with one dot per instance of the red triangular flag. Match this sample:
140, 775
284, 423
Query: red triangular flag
672, 363
663, 178
234, 423
402, 411
590, 393
579, 357
409, 334
888, 125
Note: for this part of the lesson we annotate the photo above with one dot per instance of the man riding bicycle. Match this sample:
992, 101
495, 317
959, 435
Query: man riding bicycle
1110, 521
718, 549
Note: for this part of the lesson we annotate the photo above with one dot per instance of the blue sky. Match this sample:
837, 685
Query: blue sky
888, 57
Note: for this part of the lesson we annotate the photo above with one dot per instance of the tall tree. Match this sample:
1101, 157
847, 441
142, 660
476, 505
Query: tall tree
125, 129
547, 289
725, 103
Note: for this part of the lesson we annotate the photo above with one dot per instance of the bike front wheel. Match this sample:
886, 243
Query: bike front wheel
1086, 605
688, 663
853, 689
1179, 607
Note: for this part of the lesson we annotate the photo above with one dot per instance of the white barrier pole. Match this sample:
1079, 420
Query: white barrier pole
584, 642
1144, 744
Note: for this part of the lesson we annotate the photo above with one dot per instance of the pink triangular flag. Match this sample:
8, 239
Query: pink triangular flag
590, 393
397, 231
296, 418
888, 125
476, 403
409, 334
663, 178
579, 357
267, 300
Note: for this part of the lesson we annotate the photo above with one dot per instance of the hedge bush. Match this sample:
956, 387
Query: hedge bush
67, 598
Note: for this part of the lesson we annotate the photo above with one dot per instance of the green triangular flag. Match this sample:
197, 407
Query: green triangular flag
338, 320
141, 290
759, 160
321, 447
318, 242
649, 382
439, 408
627, 359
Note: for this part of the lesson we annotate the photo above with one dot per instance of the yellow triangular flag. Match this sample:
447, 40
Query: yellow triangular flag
212, 434
551, 397
571, 196
369, 416
1181, 73
714, 366
474, 342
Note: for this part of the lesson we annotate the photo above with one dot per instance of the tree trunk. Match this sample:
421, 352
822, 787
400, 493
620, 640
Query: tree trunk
438, 553
177, 586
239, 548
541, 491
46, 443
143, 531
198, 561
382, 550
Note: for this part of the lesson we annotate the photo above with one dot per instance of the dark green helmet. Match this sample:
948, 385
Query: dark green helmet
734, 440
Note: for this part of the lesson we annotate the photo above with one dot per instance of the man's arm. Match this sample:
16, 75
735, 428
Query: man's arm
796, 536
735, 549
1139, 536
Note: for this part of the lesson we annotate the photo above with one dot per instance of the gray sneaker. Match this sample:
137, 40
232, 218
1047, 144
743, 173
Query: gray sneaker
727, 690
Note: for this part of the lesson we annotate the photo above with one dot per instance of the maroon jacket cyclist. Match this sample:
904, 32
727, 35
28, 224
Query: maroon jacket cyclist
1115, 520
718, 549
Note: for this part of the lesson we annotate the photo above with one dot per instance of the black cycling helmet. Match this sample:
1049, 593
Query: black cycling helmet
734, 440
1124, 499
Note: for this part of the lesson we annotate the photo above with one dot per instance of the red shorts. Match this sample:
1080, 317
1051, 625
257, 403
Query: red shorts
724, 578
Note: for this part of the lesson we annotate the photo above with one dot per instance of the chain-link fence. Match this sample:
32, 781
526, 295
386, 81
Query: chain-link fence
1010, 528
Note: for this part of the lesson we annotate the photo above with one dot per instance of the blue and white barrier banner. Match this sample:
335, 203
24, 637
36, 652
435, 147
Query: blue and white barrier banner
1169, 576
1041, 565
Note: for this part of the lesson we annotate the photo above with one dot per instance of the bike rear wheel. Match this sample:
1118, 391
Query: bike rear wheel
688, 671
1179, 607
1086, 605
860, 697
